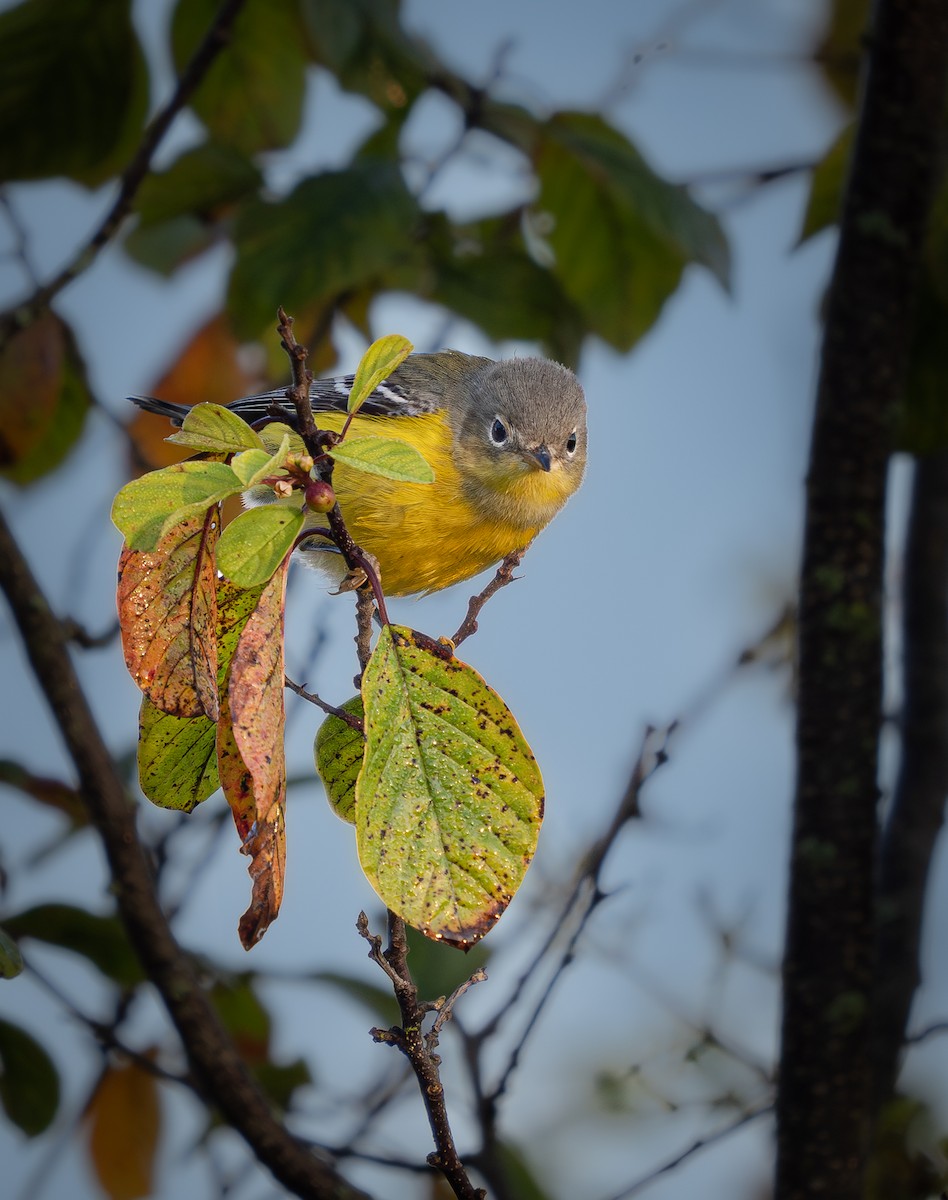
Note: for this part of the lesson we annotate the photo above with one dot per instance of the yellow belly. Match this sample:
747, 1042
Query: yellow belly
425, 536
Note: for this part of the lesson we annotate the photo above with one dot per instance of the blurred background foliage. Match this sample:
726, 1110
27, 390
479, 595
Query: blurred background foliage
583, 239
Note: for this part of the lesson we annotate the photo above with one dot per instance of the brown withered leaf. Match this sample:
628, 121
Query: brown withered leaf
167, 605
250, 755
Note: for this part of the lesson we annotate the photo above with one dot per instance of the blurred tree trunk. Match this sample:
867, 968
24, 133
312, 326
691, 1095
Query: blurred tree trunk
824, 1104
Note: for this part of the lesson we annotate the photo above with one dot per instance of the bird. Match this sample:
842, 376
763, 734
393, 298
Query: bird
506, 440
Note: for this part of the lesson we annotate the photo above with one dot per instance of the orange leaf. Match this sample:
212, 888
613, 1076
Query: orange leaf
167, 607
212, 368
251, 759
124, 1125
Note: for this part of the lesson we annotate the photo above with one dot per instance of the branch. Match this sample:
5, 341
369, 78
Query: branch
824, 1100
419, 1048
213, 1056
212, 44
504, 575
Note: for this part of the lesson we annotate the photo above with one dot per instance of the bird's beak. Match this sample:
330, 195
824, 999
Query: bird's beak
540, 455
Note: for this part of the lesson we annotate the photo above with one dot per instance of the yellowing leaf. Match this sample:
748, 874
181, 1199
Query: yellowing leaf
168, 616
124, 1126
392, 458
254, 544
339, 751
378, 362
450, 799
213, 427
251, 757
145, 509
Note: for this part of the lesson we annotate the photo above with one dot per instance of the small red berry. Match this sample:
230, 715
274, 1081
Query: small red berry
319, 496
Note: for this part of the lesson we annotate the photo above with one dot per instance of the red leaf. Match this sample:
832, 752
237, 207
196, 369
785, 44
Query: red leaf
251, 759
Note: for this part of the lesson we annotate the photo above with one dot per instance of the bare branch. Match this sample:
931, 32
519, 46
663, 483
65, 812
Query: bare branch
420, 1048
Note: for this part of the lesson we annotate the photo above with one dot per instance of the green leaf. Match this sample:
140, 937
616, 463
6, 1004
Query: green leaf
622, 235
11, 960
199, 183
334, 232
378, 362
392, 458
364, 44
29, 1082
252, 96
147, 507
213, 427
177, 758
164, 247
450, 800
254, 544
826, 186
100, 939
253, 466
484, 273
339, 751
75, 90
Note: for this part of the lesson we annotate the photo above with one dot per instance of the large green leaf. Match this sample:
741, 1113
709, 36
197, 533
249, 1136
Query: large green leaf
483, 272
252, 96
74, 91
29, 1082
622, 235
148, 507
450, 799
334, 232
100, 939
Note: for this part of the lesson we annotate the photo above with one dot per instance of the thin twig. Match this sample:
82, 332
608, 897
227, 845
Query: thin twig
331, 709
504, 575
419, 1049
700, 1144
210, 47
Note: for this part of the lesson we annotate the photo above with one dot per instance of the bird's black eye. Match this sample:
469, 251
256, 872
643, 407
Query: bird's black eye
498, 432
571, 443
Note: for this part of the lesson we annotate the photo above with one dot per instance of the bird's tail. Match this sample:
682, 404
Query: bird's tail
163, 408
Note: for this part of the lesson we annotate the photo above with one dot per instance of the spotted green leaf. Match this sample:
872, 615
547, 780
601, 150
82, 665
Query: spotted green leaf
450, 799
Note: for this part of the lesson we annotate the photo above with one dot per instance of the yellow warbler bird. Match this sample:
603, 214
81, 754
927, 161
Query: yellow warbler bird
506, 441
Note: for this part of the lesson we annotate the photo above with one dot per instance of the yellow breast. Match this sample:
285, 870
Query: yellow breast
429, 536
